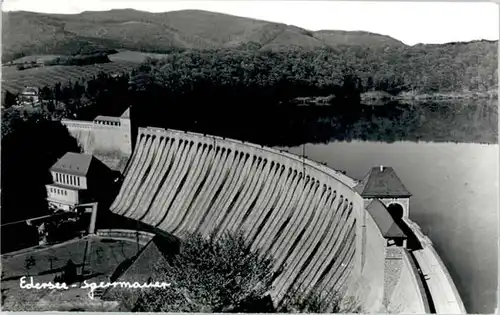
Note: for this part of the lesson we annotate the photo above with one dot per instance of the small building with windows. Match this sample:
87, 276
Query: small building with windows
78, 178
29, 96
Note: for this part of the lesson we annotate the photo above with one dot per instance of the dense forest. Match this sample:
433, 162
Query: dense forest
421, 69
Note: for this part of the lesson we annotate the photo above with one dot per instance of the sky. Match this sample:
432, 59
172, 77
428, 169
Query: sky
410, 22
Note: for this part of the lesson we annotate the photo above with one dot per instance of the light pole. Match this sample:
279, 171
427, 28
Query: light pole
304, 163
91, 231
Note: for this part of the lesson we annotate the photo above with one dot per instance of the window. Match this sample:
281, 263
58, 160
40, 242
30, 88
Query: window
78, 181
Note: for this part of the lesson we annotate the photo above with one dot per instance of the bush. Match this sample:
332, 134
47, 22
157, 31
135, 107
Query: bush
69, 274
210, 275
225, 275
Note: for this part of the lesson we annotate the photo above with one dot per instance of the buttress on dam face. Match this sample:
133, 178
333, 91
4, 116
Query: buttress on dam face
325, 230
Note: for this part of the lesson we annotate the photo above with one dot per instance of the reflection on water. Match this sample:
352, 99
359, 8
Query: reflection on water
471, 121
455, 201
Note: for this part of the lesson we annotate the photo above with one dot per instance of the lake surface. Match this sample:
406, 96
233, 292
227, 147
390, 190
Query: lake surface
455, 202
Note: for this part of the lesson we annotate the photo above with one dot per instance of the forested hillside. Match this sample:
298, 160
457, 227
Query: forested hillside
346, 69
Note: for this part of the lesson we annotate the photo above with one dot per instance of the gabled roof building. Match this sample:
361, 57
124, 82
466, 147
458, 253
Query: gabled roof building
382, 182
77, 178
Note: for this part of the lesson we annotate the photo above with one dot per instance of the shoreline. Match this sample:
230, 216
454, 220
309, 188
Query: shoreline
409, 96
382, 97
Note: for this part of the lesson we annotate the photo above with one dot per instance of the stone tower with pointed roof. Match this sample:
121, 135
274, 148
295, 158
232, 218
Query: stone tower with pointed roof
387, 201
383, 184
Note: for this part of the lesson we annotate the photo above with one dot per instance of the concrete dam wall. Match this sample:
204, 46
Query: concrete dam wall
107, 138
305, 215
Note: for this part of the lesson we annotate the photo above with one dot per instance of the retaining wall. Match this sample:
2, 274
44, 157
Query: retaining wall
111, 144
129, 235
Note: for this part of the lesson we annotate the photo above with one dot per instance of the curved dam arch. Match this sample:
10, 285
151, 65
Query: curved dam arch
304, 215
307, 216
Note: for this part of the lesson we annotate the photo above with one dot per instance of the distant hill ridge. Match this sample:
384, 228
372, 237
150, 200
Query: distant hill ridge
27, 33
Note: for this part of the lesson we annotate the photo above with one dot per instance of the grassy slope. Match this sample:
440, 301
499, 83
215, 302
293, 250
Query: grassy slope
32, 33
15, 80
346, 38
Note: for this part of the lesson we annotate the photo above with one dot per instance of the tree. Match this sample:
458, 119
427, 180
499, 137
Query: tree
46, 93
10, 99
225, 275
4, 296
369, 84
210, 275
51, 259
57, 92
29, 262
50, 106
78, 90
69, 274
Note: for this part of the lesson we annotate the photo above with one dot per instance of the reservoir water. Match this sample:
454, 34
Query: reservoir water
455, 202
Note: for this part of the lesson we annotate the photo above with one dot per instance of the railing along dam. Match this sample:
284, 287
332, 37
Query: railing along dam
302, 213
